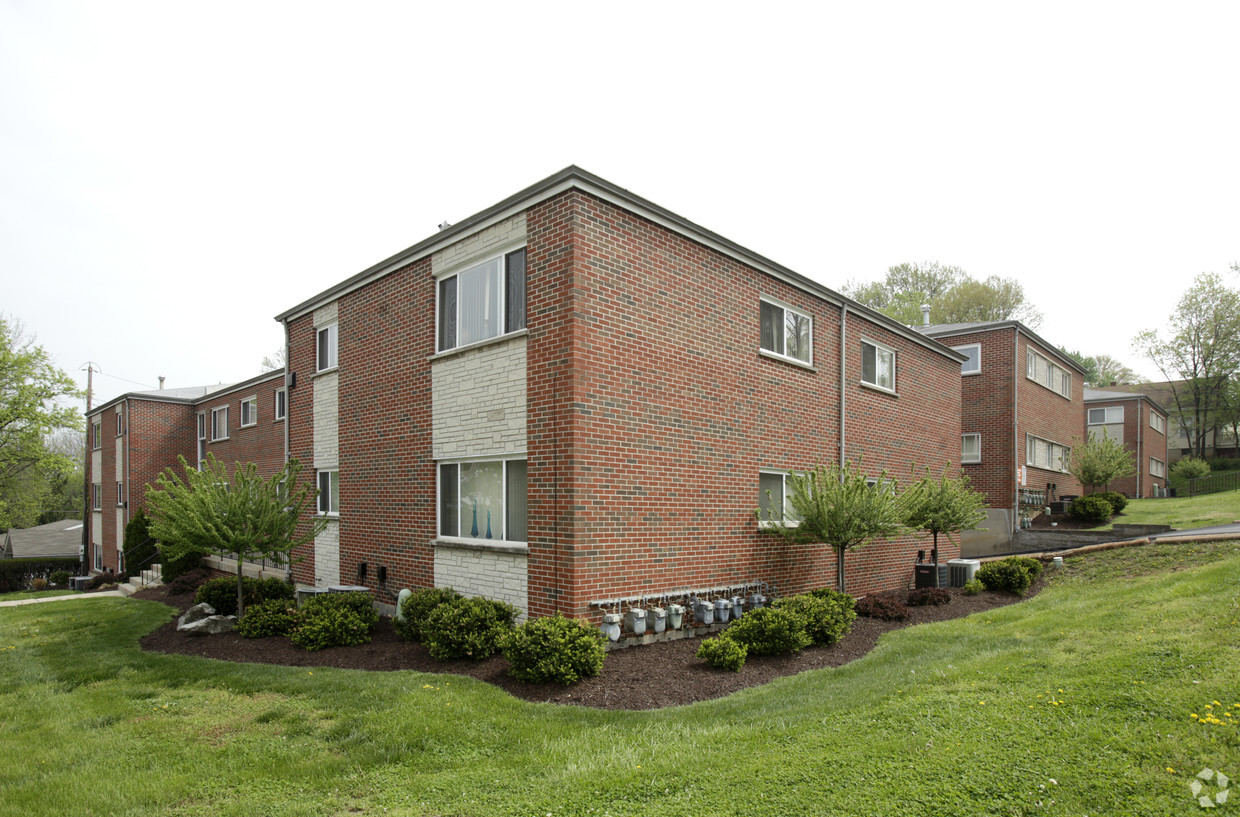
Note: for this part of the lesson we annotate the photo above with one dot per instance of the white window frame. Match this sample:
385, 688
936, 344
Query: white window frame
963, 454
789, 517
976, 369
97, 430
120, 423
327, 347
216, 426
120, 494
249, 412
280, 399
1111, 415
782, 338
324, 481
96, 496
504, 259
1063, 452
879, 347
1058, 379
1158, 422
1158, 468
467, 535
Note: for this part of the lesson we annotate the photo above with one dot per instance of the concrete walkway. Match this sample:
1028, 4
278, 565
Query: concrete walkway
112, 594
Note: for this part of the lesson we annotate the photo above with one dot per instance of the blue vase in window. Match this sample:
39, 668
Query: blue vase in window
488, 524
474, 530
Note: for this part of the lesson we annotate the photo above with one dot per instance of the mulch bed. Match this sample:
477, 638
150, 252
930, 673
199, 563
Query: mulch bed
646, 677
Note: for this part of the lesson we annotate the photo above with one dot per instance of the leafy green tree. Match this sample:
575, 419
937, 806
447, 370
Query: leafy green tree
945, 505
995, 299
33, 392
1102, 370
240, 515
953, 295
1199, 353
839, 506
1100, 460
140, 549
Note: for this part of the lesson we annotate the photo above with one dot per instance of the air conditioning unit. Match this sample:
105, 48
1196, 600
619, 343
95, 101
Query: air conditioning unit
960, 571
78, 582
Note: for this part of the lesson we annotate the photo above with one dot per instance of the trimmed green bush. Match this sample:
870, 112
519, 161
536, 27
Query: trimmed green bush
268, 618
973, 586
1005, 576
827, 614
467, 628
101, 580
172, 568
330, 627
554, 650
882, 607
360, 604
1094, 509
15, 574
1190, 468
1030, 564
189, 582
723, 653
1118, 501
60, 577
415, 609
926, 596
770, 631
221, 593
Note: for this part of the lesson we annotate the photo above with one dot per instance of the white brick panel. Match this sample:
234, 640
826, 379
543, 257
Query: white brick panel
475, 572
479, 245
478, 401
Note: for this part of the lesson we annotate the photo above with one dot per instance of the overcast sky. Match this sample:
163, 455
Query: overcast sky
172, 175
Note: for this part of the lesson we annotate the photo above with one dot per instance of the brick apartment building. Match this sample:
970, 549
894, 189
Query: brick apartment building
1022, 406
576, 395
1141, 425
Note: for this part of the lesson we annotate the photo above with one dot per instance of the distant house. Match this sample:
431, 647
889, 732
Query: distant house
1141, 425
1219, 442
1021, 408
55, 540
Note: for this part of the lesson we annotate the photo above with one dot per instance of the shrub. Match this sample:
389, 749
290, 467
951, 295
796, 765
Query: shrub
60, 577
827, 614
926, 596
882, 607
467, 628
723, 653
1190, 468
140, 549
1223, 463
770, 631
1118, 501
38, 584
1005, 576
1094, 509
415, 609
1030, 564
360, 604
267, 618
973, 586
329, 626
172, 568
15, 574
101, 580
221, 593
554, 649
190, 581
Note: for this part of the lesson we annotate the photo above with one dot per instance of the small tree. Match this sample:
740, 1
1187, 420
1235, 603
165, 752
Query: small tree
839, 506
242, 515
1100, 460
947, 505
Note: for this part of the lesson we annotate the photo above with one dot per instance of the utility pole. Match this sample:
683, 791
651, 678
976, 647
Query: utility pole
84, 567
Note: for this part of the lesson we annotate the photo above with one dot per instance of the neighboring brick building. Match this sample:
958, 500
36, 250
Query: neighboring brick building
134, 437
1022, 407
1141, 425
1219, 441
576, 395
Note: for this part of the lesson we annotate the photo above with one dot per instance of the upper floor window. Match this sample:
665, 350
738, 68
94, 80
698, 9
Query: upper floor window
96, 432
787, 332
1051, 375
1158, 422
483, 500
1041, 453
120, 493
1109, 414
974, 353
326, 358
120, 423
482, 302
281, 401
249, 411
878, 366
970, 447
219, 423
97, 496
329, 492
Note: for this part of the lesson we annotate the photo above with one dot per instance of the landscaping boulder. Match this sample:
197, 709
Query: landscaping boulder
196, 613
211, 625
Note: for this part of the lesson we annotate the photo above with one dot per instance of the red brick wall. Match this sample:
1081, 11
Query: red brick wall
301, 365
986, 409
261, 443
1046, 414
1143, 440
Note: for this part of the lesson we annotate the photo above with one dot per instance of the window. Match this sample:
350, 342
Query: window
1040, 453
787, 332
773, 501
202, 439
219, 423
281, 401
329, 492
1158, 422
120, 423
1044, 373
482, 302
878, 366
974, 352
96, 431
120, 494
249, 411
97, 496
1110, 414
327, 346
483, 500
1158, 468
970, 447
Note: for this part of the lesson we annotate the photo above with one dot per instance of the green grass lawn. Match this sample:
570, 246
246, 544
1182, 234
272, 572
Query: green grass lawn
35, 594
1182, 512
1078, 701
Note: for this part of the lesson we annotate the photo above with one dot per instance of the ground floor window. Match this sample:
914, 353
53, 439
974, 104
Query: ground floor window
1158, 468
483, 499
970, 447
774, 505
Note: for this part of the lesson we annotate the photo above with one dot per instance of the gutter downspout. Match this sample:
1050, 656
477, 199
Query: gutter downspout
1016, 425
1140, 450
843, 379
128, 476
288, 410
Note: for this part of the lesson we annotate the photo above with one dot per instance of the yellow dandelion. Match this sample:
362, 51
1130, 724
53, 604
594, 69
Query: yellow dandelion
1170, 770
